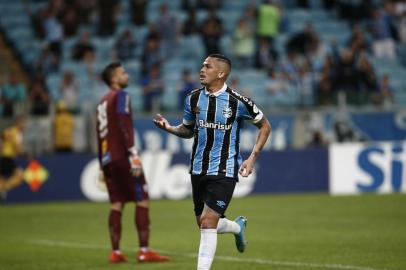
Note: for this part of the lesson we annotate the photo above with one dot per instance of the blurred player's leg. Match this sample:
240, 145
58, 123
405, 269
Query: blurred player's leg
208, 238
237, 228
240, 241
228, 226
142, 223
207, 248
115, 233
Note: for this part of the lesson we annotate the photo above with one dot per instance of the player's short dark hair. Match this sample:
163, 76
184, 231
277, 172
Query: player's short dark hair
222, 58
108, 72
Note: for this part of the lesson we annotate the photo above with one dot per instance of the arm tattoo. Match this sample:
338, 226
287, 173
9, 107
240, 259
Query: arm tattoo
264, 131
182, 131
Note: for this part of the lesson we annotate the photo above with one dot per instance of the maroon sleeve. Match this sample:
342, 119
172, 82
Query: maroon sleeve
124, 118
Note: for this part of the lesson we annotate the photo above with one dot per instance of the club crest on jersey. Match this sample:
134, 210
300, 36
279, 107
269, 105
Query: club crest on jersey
227, 112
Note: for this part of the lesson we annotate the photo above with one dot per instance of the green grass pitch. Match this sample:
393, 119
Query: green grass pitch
298, 232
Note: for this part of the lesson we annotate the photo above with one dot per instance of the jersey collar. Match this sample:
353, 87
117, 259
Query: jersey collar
218, 93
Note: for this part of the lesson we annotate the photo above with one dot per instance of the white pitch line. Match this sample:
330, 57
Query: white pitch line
44, 242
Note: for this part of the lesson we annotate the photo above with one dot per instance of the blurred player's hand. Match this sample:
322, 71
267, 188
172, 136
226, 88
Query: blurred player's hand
246, 167
136, 165
101, 181
161, 122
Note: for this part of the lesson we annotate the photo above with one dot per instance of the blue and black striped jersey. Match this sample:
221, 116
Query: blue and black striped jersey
216, 119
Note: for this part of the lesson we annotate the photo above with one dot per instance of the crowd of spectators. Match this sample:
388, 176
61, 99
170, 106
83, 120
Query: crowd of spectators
307, 70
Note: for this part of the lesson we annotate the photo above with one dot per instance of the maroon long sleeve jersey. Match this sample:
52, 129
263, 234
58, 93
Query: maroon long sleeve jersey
115, 133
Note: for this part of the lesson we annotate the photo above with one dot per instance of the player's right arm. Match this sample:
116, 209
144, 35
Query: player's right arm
181, 130
184, 130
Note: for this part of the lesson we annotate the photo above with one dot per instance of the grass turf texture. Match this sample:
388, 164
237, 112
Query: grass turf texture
299, 232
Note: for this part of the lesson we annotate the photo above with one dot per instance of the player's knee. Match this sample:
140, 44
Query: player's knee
118, 206
208, 222
143, 203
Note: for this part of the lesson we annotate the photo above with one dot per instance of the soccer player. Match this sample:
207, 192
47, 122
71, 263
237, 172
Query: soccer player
11, 141
213, 115
121, 165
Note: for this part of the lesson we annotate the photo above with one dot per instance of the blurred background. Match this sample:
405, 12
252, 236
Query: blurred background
330, 74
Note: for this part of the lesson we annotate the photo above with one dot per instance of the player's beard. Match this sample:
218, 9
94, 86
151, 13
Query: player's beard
124, 84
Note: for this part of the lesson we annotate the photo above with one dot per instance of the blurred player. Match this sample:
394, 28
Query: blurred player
213, 115
121, 165
11, 142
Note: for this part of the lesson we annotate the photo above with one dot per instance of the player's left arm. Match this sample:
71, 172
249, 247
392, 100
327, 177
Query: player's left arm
124, 118
264, 131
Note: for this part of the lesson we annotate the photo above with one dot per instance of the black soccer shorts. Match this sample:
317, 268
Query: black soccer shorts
214, 191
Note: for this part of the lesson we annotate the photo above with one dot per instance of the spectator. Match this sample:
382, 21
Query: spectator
347, 76
330, 4
70, 21
151, 56
383, 44
303, 3
63, 129
47, 62
69, 91
153, 88
304, 43
53, 28
357, 42
138, 8
125, 46
39, 98
268, 16
13, 95
188, 5
344, 128
400, 12
190, 26
354, 11
305, 85
326, 80
153, 33
384, 96
275, 83
367, 80
284, 22
168, 31
85, 10
211, 32
263, 57
83, 49
317, 140
243, 43
250, 15
12, 146
108, 12
188, 85
36, 22
209, 4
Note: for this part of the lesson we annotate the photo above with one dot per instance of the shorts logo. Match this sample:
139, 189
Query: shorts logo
221, 204
227, 112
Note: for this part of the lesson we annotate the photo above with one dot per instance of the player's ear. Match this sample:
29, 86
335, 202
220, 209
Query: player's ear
221, 75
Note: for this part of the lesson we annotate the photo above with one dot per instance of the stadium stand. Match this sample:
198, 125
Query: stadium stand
17, 19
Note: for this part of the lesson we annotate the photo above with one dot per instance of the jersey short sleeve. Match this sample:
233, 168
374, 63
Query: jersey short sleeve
188, 116
123, 103
249, 110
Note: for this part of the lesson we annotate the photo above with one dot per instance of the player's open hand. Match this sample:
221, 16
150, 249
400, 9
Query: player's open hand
161, 122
